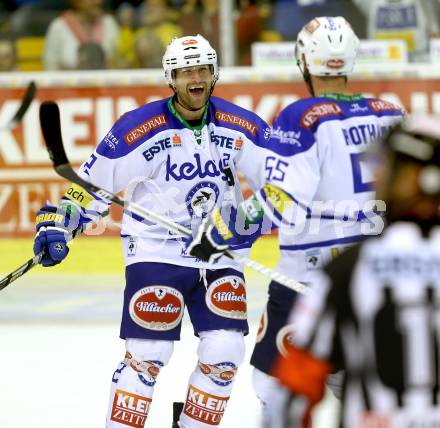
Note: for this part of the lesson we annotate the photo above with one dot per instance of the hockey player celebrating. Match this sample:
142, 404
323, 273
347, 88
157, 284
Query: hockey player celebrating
376, 305
318, 187
177, 157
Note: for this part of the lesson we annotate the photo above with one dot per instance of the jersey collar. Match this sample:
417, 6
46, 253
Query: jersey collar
342, 97
179, 117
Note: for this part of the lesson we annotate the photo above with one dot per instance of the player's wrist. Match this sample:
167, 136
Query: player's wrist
251, 211
232, 227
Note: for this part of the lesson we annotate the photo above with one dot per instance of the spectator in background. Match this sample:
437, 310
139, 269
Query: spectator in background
145, 46
288, 16
414, 21
91, 56
248, 28
114, 4
32, 18
8, 5
202, 17
148, 51
84, 22
20, 3
125, 15
8, 54
157, 16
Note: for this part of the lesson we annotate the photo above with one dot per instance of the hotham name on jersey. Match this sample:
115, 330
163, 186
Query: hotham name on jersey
364, 134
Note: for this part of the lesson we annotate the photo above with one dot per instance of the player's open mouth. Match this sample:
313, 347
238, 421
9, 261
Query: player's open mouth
196, 90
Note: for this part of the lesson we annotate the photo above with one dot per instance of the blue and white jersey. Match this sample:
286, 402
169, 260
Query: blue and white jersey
177, 171
318, 186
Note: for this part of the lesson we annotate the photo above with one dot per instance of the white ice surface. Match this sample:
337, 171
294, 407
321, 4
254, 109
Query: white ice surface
59, 349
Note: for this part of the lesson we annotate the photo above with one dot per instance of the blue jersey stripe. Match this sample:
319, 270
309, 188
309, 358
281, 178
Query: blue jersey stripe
347, 240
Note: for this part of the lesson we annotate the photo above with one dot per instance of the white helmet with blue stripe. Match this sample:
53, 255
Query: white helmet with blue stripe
327, 46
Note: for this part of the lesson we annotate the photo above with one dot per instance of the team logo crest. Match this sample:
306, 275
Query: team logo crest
59, 247
221, 374
284, 339
132, 246
227, 297
157, 307
313, 259
177, 141
202, 198
335, 63
238, 143
149, 376
147, 370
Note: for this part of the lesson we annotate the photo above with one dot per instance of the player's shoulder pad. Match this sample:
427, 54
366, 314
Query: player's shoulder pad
135, 127
314, 111
289, 135
229, 115
383, 108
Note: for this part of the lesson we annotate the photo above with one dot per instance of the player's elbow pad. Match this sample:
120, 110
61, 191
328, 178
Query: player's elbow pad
279, 207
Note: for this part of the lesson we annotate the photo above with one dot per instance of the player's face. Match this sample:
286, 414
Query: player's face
193, 85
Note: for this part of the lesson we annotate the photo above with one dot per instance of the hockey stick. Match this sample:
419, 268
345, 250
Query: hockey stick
25, 103
20, 271
25, 267
51, 128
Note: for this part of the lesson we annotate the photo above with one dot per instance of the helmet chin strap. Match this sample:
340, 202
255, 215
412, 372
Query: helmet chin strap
307, 78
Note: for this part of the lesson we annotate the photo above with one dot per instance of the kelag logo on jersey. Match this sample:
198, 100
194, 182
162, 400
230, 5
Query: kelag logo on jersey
201, 199
191, 170
160, 145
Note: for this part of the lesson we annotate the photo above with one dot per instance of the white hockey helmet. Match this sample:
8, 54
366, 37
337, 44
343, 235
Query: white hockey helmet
329, 46
188, 51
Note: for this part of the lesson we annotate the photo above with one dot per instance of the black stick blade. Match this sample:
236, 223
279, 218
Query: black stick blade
51, 127
27, 99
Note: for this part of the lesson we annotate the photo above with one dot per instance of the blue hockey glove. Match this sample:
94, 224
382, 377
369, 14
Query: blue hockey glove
54, 227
